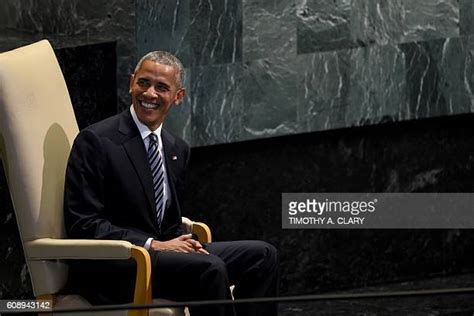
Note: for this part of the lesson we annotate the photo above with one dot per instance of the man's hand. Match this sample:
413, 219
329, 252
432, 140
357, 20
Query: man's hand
183, 243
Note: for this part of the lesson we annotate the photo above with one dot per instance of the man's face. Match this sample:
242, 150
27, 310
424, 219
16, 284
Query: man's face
154, 90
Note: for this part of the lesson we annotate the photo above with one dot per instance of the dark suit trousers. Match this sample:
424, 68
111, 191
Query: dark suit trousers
249, 265
252, 266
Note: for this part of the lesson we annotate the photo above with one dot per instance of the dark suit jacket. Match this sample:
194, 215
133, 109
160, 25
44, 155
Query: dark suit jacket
108, 189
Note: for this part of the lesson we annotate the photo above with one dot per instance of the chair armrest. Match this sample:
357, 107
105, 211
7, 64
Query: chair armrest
186, 225
53, 249
202, 231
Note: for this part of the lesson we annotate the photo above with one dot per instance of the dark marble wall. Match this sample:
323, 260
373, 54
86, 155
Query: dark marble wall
199, 32
267, 68
14, 278
92, 88
69, 23
237, 188
258, 69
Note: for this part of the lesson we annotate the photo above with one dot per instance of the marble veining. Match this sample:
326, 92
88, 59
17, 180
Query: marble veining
217, 31
385, 83
426, 75
377, 86
426, 19
270, 99
164, 25
327, 25
323, 25
269, 29
351, 88
467, 72
258, 69
377, 21
342, 88
217, 104
466, 14
399, 21
322, 90
179, 119
106, 20
199, 32
357, 45
311, 65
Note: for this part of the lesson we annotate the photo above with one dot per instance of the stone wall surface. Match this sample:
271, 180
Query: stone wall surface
288, 67
364, 96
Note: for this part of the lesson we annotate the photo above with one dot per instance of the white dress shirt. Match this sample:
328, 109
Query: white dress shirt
145, 132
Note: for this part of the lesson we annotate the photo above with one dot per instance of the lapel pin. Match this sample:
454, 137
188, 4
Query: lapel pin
174, 158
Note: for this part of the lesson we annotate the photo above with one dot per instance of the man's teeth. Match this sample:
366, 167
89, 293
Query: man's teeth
149, 105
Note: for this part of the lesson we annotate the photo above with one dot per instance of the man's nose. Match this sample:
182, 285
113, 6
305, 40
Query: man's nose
151, 92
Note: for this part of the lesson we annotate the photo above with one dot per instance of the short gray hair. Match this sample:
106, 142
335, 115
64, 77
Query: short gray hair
165, 58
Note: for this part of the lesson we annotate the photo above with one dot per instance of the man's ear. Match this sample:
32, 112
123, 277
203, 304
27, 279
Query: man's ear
180, 96
131, 83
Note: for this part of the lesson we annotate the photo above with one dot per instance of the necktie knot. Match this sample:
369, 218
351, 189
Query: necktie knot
153, 139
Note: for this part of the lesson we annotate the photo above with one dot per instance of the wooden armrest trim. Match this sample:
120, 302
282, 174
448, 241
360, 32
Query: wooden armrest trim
202, 231
143, 280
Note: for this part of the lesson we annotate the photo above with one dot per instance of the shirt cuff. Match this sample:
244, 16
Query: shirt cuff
148, 243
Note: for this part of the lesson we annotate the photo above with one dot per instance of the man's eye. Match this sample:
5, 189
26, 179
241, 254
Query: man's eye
162, 88
143, 83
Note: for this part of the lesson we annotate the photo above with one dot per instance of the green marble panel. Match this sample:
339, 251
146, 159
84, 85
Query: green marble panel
327, 25
270, 98
434, 72
322, 89
269, 29
466, 11
377, 91
179, 118
198, 32
323, 25
164, 25
217, 104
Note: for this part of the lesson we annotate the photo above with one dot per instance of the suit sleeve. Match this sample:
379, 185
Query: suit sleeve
84, 213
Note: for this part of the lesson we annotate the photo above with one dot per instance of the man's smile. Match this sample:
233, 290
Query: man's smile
147, 105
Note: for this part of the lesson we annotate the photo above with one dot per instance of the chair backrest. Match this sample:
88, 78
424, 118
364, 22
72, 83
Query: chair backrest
37, 128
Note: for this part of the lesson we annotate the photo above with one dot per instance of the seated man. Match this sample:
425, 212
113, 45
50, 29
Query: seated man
125, 180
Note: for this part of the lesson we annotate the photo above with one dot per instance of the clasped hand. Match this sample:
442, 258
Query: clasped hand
183, 243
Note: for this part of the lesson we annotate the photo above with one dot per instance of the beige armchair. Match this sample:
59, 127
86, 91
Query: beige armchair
37, 128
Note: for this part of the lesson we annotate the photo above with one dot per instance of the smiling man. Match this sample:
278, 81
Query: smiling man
155, 88
125, 180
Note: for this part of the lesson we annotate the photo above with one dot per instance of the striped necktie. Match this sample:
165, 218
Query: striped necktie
156, 164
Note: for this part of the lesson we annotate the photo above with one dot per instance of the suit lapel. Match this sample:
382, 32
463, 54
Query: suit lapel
135, 150
170, 159
169, 149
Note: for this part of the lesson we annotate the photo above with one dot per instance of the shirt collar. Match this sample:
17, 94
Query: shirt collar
143, 129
